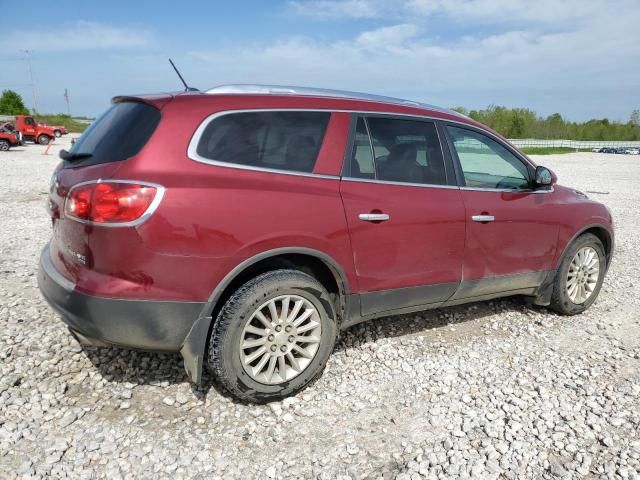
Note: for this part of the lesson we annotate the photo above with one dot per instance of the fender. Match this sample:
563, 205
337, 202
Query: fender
194, 347
580, 232
544, 292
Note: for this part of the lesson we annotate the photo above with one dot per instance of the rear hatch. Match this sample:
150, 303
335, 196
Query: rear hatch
116, 137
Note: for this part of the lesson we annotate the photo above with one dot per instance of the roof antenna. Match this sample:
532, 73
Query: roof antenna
187, 88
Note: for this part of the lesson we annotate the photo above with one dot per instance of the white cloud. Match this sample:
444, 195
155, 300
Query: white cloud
386, 37
599, 52
80, 35
461, 11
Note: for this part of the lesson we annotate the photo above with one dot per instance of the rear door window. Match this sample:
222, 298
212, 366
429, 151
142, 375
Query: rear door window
276, 140
118, 134
404, 151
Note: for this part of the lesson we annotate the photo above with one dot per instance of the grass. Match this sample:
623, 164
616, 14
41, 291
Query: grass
551, 150
61, 119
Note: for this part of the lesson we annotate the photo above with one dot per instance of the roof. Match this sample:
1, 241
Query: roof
247, 89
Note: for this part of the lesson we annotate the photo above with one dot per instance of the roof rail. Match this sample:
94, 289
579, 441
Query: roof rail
248, 89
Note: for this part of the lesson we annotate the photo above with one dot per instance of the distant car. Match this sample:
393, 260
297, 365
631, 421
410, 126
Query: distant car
633, 151
607, 150
621, 150
597, 150
8, 140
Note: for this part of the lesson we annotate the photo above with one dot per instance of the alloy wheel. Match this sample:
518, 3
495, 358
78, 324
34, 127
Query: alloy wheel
280, 339
582, 278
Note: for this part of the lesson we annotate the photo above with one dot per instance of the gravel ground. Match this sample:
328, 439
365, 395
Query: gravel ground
490, 390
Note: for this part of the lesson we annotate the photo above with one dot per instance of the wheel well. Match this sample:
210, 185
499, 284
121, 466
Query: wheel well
317, 268
604, 236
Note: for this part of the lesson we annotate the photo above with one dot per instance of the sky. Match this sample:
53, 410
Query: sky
580, 58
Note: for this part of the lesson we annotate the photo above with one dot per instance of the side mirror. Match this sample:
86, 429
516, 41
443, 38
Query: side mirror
544, 177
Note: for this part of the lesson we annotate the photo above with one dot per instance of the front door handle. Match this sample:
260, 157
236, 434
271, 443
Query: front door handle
373, 217
483, 218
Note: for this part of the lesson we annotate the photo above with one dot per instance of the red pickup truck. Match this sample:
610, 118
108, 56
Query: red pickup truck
32, 131
58, 130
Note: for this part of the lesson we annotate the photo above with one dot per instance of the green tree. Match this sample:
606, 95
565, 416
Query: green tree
11, 103
635, 118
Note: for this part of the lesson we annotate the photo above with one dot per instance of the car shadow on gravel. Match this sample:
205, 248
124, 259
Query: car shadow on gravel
462, 318
164, 369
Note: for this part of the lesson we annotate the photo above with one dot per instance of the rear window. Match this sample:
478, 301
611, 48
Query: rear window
118, 134
277, 140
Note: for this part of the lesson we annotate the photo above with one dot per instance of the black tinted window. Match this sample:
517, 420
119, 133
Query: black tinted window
407, 151
118, 134
279, 140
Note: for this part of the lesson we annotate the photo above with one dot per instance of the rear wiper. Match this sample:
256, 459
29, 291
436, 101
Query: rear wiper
72, 157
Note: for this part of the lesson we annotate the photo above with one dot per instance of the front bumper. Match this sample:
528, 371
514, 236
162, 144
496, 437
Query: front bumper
140, 324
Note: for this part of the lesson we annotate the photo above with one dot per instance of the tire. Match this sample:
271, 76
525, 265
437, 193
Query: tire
228, 361
44, 140
4, 145
561, 300
57, 133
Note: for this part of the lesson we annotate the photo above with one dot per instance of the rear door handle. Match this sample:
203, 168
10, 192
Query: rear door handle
483, 218
373, 217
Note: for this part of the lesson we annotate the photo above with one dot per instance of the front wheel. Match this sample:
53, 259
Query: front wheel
4, 145
580, 276
273, 337
43, 140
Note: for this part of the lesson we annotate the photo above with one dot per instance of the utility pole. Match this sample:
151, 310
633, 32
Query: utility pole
36, 107
66, 97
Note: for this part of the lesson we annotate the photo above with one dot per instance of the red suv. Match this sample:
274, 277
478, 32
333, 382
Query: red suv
246, 226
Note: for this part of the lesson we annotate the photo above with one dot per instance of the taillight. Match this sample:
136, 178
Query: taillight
112, 202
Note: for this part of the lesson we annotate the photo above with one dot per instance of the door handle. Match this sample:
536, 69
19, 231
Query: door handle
483, 218
373, 217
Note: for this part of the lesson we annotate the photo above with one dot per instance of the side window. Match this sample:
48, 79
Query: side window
487, 164
361, 155
28, 121
406, 151
279, 140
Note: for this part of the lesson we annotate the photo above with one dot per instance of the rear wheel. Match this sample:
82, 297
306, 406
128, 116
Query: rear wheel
44, 139
580, 276
4, 145
273, 337
57, 133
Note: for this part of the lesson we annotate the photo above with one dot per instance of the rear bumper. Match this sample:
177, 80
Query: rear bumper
141, 324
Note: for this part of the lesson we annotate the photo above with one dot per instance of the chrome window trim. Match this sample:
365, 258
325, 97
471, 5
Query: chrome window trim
402, 184
506, 190
192, 149
134, 223
195, 138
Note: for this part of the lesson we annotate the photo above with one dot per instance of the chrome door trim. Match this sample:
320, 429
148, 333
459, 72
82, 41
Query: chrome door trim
374, 217
483, 218
195, 139
506, 190
403, 184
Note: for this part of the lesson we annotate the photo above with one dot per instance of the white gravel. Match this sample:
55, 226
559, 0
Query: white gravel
491, 390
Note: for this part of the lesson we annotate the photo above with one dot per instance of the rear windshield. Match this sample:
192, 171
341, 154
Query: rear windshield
118, 134
277, 140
